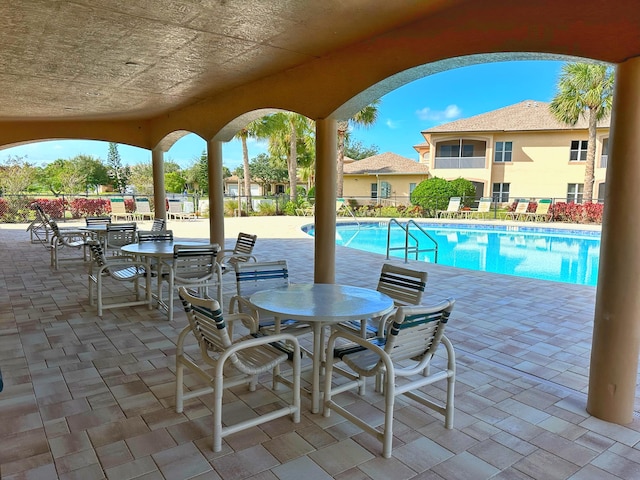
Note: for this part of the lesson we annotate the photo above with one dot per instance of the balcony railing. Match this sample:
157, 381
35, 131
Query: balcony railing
459, 162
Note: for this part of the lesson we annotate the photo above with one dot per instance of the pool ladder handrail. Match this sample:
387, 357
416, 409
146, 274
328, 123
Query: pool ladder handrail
411, 248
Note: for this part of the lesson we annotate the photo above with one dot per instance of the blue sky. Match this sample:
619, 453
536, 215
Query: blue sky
403, 114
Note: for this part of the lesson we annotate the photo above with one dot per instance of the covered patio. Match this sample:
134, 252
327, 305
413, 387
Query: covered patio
92, 397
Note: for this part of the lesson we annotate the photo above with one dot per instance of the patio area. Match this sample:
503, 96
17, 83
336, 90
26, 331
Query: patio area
88, 397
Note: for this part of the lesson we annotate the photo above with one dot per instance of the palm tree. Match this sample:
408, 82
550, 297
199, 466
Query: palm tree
365, 118
584, 89
286, 129
253, 129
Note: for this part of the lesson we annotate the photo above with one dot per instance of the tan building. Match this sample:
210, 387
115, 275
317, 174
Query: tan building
384, 178
517, 151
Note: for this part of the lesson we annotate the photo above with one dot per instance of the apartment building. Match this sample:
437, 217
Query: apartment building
519, 151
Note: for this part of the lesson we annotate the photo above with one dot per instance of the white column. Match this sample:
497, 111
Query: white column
216, 193
159, 194
325, 206
616, 332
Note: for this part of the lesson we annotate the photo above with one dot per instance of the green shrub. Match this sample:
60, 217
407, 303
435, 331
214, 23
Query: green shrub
432, 194
464, 189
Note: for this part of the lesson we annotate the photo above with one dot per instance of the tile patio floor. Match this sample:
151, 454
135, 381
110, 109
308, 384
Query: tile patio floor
88, 397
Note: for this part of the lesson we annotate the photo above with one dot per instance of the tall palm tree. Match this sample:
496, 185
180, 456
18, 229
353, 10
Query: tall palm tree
584, 89
364, 118
286, 129
254, 129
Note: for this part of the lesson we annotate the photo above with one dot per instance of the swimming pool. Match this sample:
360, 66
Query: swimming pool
545, 253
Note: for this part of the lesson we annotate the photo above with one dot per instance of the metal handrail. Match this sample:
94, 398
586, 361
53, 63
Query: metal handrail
414, 249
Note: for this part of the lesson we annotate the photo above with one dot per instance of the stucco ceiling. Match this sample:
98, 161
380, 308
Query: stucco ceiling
137, 71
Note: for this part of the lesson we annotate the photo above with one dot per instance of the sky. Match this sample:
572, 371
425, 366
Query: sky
402, 115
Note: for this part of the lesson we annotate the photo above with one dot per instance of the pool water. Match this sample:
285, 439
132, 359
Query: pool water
543, 253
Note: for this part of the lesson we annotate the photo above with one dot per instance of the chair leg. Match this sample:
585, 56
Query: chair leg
217, 414
389, 400
179, 386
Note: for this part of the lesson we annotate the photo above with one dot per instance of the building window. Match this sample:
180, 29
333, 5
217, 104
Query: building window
578, 150
279, 189
601, 190
500, 192
503, 152
574, 192
374, 190
604, 157
412, 187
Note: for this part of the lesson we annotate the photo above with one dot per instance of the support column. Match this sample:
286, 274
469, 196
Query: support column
325, 207
216, 193
616, 330
159, 194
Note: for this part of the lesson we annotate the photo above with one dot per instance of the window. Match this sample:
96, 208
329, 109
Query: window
412, 187
604, 158
578, 150
279, 189
449, 150
574, 192
500, 192
601, 190
374, 190
503, 152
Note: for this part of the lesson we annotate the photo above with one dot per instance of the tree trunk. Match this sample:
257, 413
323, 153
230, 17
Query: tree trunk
292, 163
247, 178
342, 131
587, 192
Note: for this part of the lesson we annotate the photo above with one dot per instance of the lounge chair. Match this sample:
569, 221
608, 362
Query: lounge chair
520, 212
541, 213
143, 209
484, 208
118, 209
452, 209
177, 210
228, 363
401, 363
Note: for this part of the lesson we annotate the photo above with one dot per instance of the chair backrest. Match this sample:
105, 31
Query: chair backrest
522, 206
119, 234
194, 262
404, 285
41, 214
206, 321
117, 205
454, 204
254, 276
244, 245
97, 253
543, 206
54, 226
155, 236
175, 205
416, 331
485, 205
188, 207
97, 220
143, 205
159, 224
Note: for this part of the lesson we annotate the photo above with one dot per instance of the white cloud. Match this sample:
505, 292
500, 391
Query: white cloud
392, 124
452, 112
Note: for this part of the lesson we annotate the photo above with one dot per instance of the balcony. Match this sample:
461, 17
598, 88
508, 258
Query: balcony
459, 162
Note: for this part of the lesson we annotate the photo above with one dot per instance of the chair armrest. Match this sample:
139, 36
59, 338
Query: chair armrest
247, 320
225, 258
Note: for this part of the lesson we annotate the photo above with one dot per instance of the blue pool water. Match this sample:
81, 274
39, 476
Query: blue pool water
544, 253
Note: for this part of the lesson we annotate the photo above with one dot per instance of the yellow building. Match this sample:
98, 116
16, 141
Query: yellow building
519, 151
386, 178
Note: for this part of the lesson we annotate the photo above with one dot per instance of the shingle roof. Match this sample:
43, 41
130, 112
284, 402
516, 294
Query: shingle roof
523, 116
388, 163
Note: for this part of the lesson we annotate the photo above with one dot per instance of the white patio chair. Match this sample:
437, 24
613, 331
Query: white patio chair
159, 224
228, 363
452, 209
143, 209
241, 252
120, 269
118, 235
401, 361
67, 238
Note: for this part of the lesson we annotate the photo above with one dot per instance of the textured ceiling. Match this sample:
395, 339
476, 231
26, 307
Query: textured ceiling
137, 71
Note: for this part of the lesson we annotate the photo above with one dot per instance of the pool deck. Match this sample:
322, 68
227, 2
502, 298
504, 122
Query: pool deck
88, 397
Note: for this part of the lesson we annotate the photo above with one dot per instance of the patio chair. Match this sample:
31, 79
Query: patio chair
404, 285
159, 224
484, 208
228, 363
252, 277
118, 235
100, 220
401, 362
69, 238
192, 266
120, 269
541, 213
520, 212
452, 209
177, 210
143, 209
118, 209
241, 252
153, 236
39, 228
